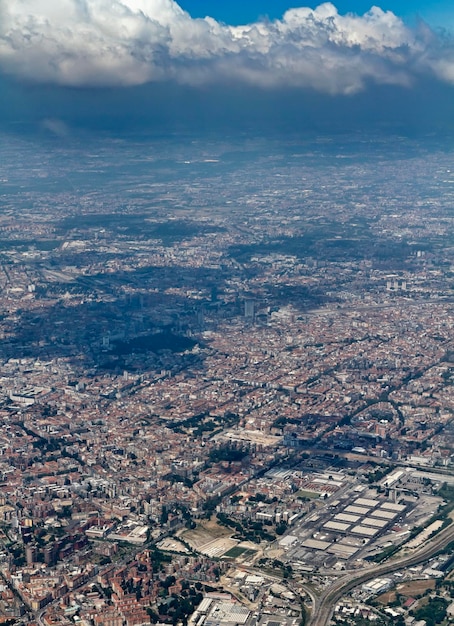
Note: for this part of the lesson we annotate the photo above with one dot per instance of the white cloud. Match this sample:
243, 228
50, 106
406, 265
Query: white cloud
131, 42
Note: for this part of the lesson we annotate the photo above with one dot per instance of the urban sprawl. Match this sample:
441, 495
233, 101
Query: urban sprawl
226, 382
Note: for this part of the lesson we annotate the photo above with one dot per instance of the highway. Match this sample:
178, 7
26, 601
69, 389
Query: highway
325, 604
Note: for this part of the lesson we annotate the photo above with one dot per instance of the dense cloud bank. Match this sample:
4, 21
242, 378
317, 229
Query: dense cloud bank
85, 43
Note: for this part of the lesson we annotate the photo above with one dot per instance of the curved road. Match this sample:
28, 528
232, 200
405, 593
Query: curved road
321, 613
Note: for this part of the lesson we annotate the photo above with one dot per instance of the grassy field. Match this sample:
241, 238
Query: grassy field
237, 551
415, 587
307, 494
411, 589
204, 533
387, 597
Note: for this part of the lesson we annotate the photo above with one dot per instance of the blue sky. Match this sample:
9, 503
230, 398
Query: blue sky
435, 12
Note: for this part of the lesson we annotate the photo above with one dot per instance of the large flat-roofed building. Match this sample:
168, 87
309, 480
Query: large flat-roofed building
227, 612
378, 585
316, 544
376, 523
342, 550
287, 541
366, 502
392, 506
345, 528
391, 479
346, 517
389, 515
357, 510
364, 531
338, 526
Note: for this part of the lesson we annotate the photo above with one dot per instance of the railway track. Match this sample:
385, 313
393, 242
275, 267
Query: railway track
322, 612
